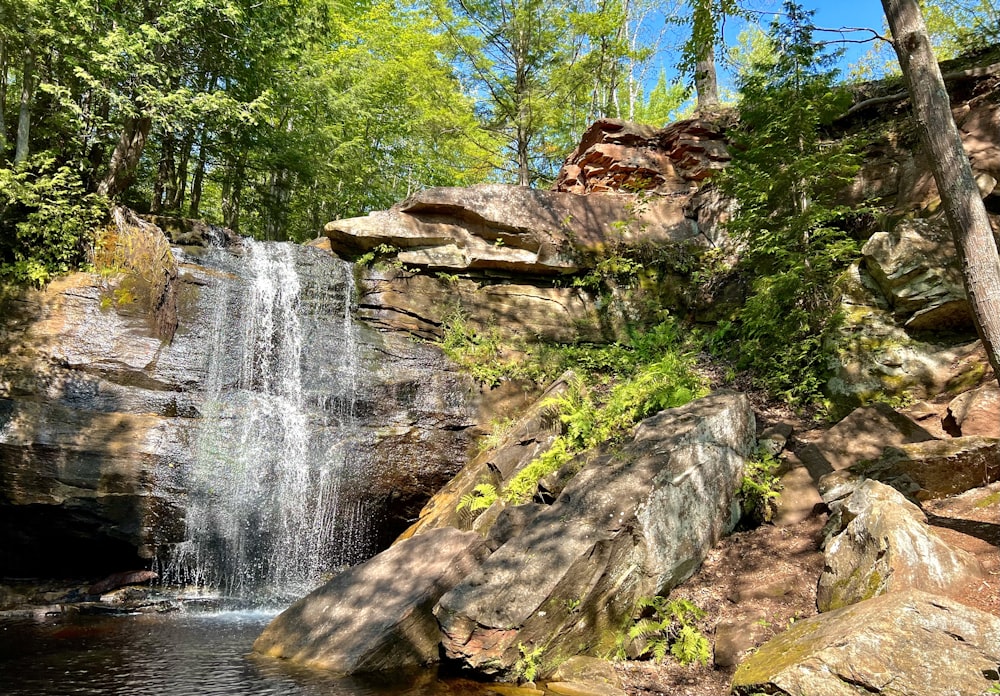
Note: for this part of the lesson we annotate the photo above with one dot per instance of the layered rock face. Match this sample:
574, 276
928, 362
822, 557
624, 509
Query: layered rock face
101, 420
502, 255
616, 155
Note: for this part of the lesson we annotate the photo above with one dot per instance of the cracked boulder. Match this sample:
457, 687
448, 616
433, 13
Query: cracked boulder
887, 546
909, 643
632, 523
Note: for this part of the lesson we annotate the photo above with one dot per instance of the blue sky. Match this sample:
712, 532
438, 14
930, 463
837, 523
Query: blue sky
850, 13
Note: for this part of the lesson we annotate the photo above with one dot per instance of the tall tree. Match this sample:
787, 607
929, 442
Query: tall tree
698, 53
541, 69
963, 206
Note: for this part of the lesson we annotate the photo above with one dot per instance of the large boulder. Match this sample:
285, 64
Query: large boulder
376, 616
887, 546
976, 412
916, 267
633, 523
904, 644
937, 468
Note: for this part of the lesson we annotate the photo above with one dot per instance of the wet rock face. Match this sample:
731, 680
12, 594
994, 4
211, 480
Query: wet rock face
631, 524
99, 420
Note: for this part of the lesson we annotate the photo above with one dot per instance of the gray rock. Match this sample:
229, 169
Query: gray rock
863, 434
632, 523
887, 546
917, 269
904, 644
938, 467
376, 616
877, 358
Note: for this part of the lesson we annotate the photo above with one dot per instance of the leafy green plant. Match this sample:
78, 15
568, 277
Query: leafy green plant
47, 220
500, 428
761, 488
602, 412
526, 668
481, 497
787, 179
669, 626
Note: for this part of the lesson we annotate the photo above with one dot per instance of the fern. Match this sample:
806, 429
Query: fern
671, 628
761, 488
481, 497
691, 647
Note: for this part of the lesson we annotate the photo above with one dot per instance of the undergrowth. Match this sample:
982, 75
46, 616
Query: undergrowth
670, 626
613, 388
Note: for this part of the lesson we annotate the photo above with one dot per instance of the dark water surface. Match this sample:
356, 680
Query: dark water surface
177, 654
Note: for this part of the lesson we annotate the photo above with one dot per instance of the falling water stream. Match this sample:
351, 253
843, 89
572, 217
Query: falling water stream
270, 495
270, 511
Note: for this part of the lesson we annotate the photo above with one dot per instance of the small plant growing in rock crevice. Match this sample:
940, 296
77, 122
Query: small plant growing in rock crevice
481, 497
761, 488
670, 627
527, 666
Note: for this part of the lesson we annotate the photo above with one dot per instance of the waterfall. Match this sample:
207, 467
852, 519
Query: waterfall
269, 510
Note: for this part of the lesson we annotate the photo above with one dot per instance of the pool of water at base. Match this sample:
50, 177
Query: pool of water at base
177, 654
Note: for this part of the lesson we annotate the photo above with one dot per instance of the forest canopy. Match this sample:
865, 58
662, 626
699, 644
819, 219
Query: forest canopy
274, 117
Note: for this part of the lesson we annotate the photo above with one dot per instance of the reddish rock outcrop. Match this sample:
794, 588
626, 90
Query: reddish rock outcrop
616, 155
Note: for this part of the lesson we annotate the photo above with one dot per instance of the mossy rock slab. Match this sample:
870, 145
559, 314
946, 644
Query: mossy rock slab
905, 644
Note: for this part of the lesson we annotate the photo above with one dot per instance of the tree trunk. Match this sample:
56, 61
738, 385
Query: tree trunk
179, 190
162, 174
24, 115
232, 194
199, 175
706, 83
126, 156
3, 99
962, 203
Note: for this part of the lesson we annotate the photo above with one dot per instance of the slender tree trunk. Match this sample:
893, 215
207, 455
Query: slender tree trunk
199, 175
523, 143
3, 99
706, 83
24, 115
179, 190
963, 205
162, 174
232, 194
124, 159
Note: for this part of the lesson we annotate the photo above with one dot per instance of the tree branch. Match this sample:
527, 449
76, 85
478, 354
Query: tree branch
956, 76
